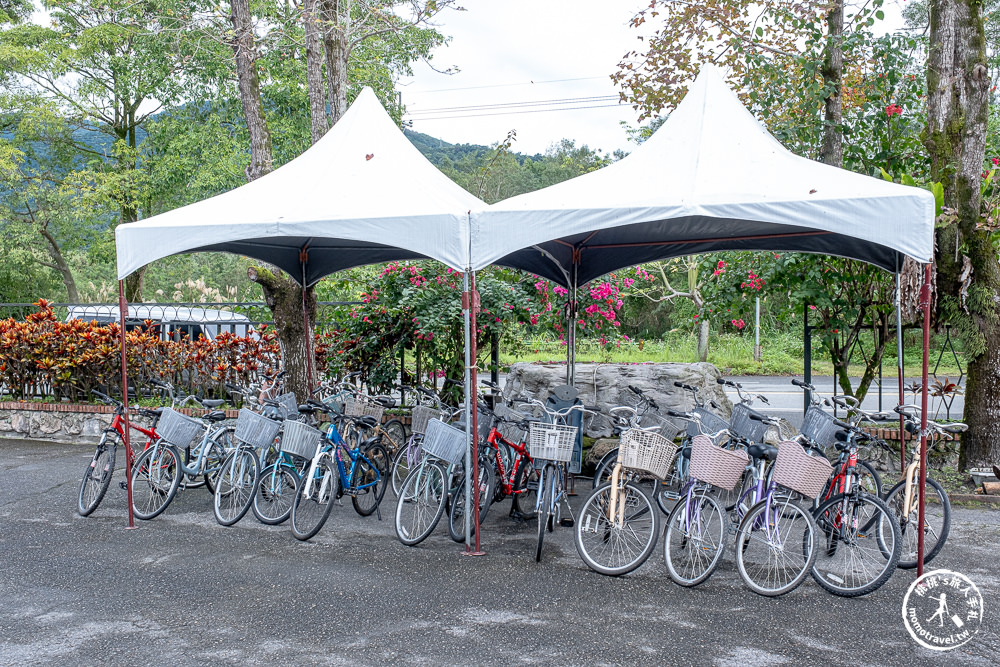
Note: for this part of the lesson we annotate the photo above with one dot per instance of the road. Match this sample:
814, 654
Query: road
181, 590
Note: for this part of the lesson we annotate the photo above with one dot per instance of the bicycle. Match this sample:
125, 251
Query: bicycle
904, 498
618, 525
97, 477
336, 469
506, 449
240, 472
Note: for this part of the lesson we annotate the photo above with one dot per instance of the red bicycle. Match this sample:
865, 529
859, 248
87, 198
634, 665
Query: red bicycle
97, 477
506, 447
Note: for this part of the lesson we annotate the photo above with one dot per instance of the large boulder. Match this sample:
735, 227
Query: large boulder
606, 385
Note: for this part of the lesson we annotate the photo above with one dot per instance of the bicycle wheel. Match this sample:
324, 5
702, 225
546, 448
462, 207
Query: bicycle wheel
318, 491
421, 502
236, 486
619, 542
393, 436
156, 474
371, 476
97, 477
222, 442
869, 480
525, 489
547, 482
456, 514
859, 543
694, 539
276, 490
775, 546
602, 473
406, 459
937, 521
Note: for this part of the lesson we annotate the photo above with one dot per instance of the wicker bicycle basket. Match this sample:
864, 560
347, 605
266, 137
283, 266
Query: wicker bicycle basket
256, 431
819, 427
715, 465
741, 425
177, 429
710, 423
421, 415
510, 431
299, 439
648, 451
664, 427
800, 472
444, 441
551, 442
358, 406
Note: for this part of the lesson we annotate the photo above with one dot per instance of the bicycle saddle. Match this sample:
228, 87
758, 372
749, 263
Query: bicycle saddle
152, 413
213, 403
766, 452
366, 420
214, 416
309, 408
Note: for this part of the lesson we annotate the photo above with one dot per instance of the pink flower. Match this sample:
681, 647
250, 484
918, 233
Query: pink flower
995, 161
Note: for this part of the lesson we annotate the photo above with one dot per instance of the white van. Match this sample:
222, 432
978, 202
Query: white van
171, 321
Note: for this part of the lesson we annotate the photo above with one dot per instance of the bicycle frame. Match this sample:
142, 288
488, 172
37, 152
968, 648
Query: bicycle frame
507, 481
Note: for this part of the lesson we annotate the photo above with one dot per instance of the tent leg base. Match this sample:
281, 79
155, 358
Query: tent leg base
472, 553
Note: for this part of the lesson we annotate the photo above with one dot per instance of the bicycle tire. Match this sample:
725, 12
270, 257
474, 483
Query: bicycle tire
544, 512
97, 477
866, 560
757, 557
866, 477
693, 552
276, 491
314, 502
221, 444
525, 489
406, 459
602, 472
156, 474
456, 514
372, 467
394, 436
937, 522
236, 486
617, 549
421, 502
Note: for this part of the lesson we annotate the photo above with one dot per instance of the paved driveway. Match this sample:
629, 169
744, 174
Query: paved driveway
181, 590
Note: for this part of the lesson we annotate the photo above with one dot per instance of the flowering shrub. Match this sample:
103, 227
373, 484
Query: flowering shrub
42, 356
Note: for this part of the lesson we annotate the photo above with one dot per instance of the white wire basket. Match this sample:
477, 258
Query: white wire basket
358, 406
256, 431
299, 439
288, 406
551, 442
648, 451
421, 415
177, 429
444, 442
798, 471
716, 466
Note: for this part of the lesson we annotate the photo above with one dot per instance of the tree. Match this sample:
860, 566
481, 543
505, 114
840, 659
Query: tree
968, 273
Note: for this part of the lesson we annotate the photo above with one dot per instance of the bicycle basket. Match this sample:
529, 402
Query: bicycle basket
299, 439
358, 406
665, 427
715, 465
177, 429
819, 428
336, 402
444, 442
551, 442
288, 406
647, 450
256, 431
741, 425
710, 423
800, 472
510, 431
421, 415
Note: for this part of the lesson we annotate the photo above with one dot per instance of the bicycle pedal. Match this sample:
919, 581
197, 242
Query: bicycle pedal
123, 486
567, 523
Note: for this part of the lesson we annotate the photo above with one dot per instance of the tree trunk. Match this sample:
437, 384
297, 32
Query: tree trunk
72, 295
703, 340
832, 150
294, 329
314, 68
245, 49
957, 108
336, 30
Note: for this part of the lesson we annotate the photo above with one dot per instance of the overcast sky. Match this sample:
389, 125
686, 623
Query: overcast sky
548, 61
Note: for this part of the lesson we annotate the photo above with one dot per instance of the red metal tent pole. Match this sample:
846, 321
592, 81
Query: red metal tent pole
123, 315
925, 303
474, 352
900, 373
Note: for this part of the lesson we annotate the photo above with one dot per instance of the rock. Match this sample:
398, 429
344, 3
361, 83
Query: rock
597, 451
606, 385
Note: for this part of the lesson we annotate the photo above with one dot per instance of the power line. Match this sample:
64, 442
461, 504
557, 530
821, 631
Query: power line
501, 105
504, 85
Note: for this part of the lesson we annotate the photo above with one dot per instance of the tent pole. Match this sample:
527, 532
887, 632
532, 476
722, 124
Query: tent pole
925, 303
303, 258
474, 381
899, 372
467, 313
573, 310
127, 430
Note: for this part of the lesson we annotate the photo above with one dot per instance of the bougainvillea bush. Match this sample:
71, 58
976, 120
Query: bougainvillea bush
41, 356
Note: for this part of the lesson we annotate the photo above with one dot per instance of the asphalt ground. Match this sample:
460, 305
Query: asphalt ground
181, 590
